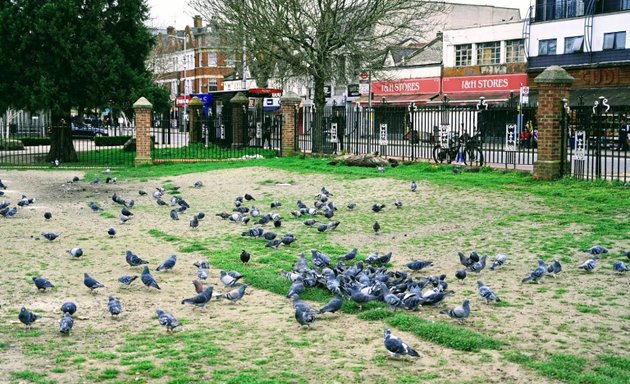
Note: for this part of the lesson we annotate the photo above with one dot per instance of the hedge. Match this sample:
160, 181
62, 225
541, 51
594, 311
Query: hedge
35, 141
110, 141
11, 145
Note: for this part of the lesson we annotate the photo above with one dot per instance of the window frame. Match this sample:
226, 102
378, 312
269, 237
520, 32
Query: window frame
213, 63
546, 43
463, 55
570, 43
515, 51
618, 42
494, 49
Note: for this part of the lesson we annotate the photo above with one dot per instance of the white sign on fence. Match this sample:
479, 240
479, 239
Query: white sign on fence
580, 145
222, 132
258, 129
510, 137
444, 133
382, 140
333, 133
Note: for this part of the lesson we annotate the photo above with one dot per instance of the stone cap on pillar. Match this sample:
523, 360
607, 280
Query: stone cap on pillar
142, 103
195, 102
554, 74
290, 98
239, 98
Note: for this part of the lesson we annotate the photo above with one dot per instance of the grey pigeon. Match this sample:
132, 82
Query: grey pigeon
620, 266
245, 256
205, 264
168, 264
50, 235
124, 219
235, 294
201, 299
126, 212
304, 318
202, 273
333, 305
75, 252
270, 235
396, 346
460, 275
111, 231
275, 243
194, 222
589, 265
27, 318
65, 323
499, 260
359, 297
350, 255
174, 215
95, 207
198, 184
42, 283
351, 205
458, 313
127, 279
538, 273
200, 215
414, 186
69, 307
554, 268
486, 292
227, 279
91, 282
398, 204
296, 288
114, 306
466, 261
167, 320
148, 279
133, 259
596, 250
378, 207
310, 222
417, 265
392, 300
479, 265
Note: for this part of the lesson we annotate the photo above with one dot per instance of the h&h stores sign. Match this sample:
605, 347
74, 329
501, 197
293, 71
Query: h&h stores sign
407, 86
509, 82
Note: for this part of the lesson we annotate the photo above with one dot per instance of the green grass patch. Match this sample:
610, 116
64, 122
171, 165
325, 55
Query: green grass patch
586, 309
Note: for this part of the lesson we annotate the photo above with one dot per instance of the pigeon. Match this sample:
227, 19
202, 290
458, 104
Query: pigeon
126, 212
69, 307
310, 222
304, 317
378, 207
2, 185
333, 305
168, 264
414, 186
419, 264
202, 274
351, 205
388, 297
554, 268
398, 204
27, 318
249, 197
111, 231
458, 313
91, 282
296, 288
627, 254
596, 250
275, 204
275, 243
589, 265
235, 294
127, 279
114, 306
124, 219
227, 279
200, 215
205, 264
42, 283
486, 292
198, 184
198, 286
65, 323
148, 279
161, 202
269, 235
50, 235
133, 259
396, 346
245, 256
435, 297
201, 299
538, 273
167, 320
460, 275
456, 170
95, 207
376, 227
350, 255
75, 252
174, 215
380, 168
319, 259
620, 266
479, 265
47, 215
499, 260
194, 222
142, 193
360, 297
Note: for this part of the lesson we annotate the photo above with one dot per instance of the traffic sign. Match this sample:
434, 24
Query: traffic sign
364, 75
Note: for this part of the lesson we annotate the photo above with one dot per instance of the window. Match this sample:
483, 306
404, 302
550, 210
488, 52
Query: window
625, 4
463, 55
547, 47
615, 40
514, 51
489, 53
230, 61
212, 84
573, 44
212, 59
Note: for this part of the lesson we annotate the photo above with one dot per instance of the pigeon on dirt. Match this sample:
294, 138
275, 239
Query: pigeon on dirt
589, 265
398, 204
236, 294
65, 323
596, 250
620, 266
69, 307
245, 256
167, 320
554, 268
396, 346
124, 219
205, 264
538, 273
227, 279
148, 279
127, 279
174, 215
27, 318
304, 318
51, 236
351, 205
202, 274
126, 212
168, 264
201, 299
91, 282
487, 293
466, 261
479, 265
198, 184
198, 286
42, 283
414, 186
47, 215
376, 227
378, 207
417, 265
499, 260
133, 259
111, 231
114, 306
194, 222
95, 207
458, 313
75, 252
249, 197
333, 305
460, 275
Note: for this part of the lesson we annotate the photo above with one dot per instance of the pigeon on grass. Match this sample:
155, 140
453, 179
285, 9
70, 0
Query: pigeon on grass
147, 279
66, 323
235, 295
458, 313
537, 274
167, 320
396, 347
27, 317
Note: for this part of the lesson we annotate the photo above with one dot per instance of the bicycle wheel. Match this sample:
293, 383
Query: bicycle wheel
439, 155
474, 157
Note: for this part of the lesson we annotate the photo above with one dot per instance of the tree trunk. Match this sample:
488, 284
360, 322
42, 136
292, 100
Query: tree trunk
318, 123
61, 146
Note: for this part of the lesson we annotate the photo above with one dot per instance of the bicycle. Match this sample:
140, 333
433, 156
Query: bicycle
471, 150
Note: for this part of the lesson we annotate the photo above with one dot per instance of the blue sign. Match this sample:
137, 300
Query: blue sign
205, 98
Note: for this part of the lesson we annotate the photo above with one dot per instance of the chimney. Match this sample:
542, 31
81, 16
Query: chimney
170, 31
197, 21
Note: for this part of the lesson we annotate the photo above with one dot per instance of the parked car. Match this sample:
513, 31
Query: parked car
85, 131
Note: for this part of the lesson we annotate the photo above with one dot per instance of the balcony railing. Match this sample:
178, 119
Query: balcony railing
580, 58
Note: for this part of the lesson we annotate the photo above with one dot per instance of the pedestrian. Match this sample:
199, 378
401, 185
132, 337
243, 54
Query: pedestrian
266, 134
341, 129
623, 135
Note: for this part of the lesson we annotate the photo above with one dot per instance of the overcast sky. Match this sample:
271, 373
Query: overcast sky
176, 13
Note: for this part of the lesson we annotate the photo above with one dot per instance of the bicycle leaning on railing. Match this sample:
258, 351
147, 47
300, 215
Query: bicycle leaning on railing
470, 148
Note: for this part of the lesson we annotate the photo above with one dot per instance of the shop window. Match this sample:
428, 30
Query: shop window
547, 47
615, 40
573, 44
514, 51
463, 55
489, 53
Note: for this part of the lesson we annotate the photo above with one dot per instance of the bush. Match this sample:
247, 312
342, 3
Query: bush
35, 141
11, 145
110, 141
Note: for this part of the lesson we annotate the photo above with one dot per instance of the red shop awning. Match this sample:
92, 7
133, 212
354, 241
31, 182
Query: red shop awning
397, 99
474, 97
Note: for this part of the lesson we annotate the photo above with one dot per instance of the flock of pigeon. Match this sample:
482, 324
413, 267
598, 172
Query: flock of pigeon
347, 279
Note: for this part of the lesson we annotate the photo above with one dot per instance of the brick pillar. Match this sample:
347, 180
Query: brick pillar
142, 109
239, 103
194, 129
553, 85
288, 104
